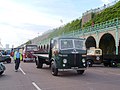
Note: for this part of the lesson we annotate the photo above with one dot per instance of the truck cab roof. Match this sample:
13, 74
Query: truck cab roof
64, 37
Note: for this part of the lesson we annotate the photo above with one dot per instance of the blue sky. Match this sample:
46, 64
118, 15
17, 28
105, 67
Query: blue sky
22, 20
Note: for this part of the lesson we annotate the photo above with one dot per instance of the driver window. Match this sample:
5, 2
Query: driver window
55, 45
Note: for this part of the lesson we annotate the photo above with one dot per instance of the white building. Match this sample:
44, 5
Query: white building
1, 46
7, 46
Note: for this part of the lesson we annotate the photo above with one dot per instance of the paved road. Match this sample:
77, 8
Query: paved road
30, 78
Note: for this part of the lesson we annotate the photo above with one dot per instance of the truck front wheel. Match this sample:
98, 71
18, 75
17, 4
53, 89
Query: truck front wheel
113, 64
54, 70
90, 63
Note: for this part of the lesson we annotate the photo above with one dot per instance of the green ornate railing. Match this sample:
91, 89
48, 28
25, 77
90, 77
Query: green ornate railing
97, 27
91, 29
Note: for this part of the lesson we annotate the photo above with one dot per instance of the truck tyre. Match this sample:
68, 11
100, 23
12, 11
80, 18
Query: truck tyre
113, 64
36, 62
39, 64
24, 60
1, 72
105, 64
90, 63
54, 70
80, 71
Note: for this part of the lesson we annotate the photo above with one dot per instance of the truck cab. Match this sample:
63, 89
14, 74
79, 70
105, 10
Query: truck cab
28, 51
94, 56
65, 54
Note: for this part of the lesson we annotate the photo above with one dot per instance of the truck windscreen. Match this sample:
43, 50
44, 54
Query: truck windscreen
78, 44
66, 44
72, 44
97, 51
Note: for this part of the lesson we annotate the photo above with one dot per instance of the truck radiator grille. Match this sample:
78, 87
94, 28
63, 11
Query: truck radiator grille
74, 60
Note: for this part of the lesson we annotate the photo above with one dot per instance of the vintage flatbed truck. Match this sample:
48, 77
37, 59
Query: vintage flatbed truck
63, 53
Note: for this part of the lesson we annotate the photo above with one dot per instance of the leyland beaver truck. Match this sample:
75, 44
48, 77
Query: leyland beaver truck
64, 53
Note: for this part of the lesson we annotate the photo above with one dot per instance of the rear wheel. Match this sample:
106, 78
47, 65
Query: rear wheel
54, 69
80, 71
105, 64
39, 64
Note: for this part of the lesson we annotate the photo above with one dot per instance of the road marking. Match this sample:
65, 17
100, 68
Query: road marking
36, 86
22, 71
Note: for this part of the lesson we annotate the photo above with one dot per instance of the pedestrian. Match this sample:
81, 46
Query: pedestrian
17, 58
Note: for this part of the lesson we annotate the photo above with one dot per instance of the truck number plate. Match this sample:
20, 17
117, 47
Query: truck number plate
74, 67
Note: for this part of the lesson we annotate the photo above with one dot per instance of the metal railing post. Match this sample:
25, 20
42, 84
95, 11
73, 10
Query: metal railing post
117, 37
97, 39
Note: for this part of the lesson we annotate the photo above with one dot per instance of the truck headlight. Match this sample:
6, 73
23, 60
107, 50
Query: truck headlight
83, 60
84, 64
64, 60
63, 65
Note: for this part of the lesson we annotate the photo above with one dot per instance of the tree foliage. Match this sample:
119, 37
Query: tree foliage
107, 14
73, 25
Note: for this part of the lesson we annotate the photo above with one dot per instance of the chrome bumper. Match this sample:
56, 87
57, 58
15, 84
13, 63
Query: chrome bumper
73, 68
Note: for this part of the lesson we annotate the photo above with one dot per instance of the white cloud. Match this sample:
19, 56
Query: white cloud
13, 36
105, 1
15, 15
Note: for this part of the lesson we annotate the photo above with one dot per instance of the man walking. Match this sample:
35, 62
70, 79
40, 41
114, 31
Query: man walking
17, 58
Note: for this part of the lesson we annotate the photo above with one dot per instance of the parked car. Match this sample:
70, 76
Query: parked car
5, 58
2, 67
